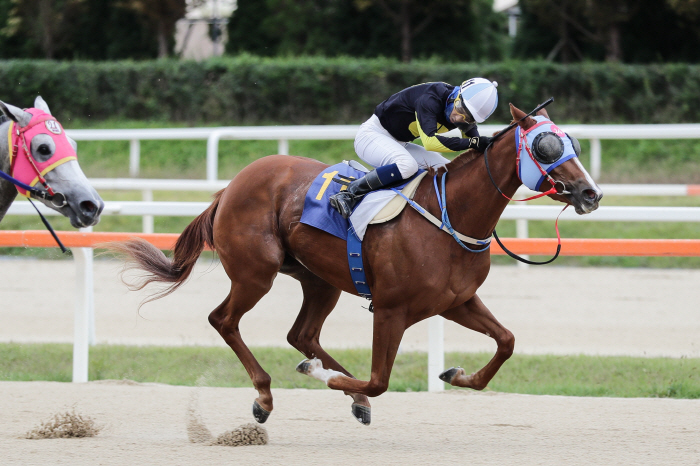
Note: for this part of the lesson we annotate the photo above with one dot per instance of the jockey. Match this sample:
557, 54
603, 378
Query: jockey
421, 111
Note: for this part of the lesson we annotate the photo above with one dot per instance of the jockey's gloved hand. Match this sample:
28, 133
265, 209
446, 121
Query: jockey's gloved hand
479, 143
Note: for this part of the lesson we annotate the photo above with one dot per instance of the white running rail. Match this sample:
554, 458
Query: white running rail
284, 134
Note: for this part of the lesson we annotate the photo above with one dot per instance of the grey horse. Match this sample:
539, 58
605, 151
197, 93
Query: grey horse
79, 201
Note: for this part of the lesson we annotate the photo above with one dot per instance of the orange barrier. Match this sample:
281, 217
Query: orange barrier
535, 246
80, 239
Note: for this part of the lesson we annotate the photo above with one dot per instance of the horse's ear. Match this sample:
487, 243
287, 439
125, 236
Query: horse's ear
41, 104
72, 142
516, 112
543, 112
15, 114
518, 116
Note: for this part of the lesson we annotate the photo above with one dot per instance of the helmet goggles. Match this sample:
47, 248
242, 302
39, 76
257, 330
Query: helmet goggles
461, 109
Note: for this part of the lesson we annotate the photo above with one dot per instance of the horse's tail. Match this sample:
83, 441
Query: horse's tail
141, 255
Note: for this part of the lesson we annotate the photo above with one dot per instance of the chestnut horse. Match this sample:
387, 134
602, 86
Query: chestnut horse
414, 270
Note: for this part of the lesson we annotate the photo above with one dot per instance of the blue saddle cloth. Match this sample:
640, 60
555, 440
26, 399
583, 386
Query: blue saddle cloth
318, 211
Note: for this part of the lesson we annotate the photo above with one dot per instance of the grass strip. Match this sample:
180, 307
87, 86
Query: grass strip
218, 367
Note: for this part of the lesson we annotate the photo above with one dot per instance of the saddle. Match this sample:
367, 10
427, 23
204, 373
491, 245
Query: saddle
397, 204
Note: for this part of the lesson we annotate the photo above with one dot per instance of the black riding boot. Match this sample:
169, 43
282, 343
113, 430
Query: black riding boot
345, 201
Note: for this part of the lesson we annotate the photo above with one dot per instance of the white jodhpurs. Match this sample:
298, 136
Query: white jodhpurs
378, 148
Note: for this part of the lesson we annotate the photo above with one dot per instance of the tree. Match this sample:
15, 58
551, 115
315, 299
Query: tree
639, 31
468, 30
46, 23
410, 17
608, 16
690, 8
164, 14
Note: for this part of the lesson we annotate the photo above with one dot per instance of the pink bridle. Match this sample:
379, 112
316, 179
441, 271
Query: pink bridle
23, 166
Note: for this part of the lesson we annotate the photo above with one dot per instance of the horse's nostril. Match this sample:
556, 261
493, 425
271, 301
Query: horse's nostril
590, 195
88, 208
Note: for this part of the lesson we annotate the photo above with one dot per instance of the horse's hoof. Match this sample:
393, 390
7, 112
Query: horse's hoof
362, 413
259, 413
304, 367
449, 374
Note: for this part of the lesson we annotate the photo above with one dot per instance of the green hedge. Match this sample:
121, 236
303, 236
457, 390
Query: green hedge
252, 90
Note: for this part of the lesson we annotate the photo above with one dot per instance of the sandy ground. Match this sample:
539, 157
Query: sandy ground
550, 310
146, 424
555, 310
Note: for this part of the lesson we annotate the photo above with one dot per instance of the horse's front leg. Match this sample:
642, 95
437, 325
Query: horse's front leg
389, 326
475, 315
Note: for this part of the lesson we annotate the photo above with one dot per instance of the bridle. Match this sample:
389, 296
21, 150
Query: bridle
26, 171
21, 158
537, 158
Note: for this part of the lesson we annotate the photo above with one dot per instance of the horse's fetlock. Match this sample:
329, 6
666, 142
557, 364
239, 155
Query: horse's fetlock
262, 382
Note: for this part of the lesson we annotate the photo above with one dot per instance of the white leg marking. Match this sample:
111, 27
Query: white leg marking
318, 372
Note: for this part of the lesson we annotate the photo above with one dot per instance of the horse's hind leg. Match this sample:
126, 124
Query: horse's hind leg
319, 300
225, 319
475, 315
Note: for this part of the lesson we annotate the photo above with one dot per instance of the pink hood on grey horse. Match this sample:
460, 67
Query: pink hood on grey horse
23, 166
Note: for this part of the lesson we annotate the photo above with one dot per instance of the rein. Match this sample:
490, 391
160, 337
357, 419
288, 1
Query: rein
553, 190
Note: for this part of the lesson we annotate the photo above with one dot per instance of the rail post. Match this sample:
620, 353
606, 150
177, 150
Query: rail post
147, 222
283, 147
84, 320
596, 155
134, 157
436, 353
213, 155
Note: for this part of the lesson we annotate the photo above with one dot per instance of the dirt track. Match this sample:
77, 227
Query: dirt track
597, 311
145, 424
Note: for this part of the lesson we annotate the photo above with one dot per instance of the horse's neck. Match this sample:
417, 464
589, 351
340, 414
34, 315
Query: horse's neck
8, 192
474, 203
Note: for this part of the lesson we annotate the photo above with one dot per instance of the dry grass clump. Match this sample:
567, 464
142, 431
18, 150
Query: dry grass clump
247, 434
66, 425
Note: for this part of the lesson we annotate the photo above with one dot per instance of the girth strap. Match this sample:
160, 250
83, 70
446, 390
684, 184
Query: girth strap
357, 268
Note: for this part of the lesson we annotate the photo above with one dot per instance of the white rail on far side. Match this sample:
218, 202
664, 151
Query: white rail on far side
284, 134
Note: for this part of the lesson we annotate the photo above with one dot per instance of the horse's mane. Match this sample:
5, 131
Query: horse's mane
459, 161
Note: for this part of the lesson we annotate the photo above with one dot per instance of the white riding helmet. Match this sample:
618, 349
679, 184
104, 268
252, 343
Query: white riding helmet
480, 97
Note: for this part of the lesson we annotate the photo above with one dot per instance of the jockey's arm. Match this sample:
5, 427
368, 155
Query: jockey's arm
428, 128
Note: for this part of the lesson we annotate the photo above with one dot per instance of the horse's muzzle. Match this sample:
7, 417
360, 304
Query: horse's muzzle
584, 197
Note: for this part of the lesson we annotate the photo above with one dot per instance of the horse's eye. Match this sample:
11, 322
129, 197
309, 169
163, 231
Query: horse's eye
44, 149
